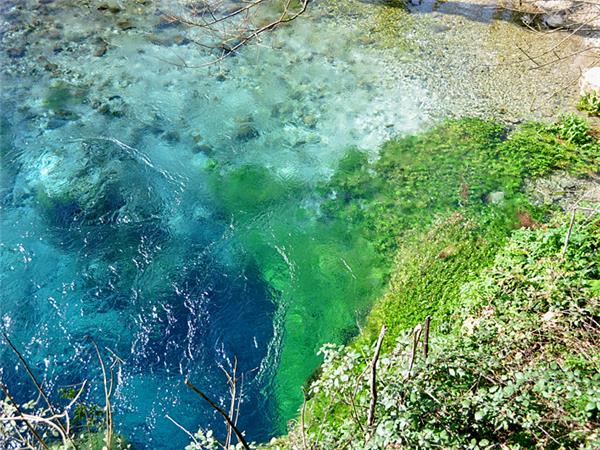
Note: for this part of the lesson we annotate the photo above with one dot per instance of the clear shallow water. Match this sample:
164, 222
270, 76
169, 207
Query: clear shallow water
171, 213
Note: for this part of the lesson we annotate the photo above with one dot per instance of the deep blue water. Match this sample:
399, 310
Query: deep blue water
173, 307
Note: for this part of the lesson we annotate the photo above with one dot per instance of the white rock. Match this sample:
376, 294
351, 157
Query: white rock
496, 197
590, 81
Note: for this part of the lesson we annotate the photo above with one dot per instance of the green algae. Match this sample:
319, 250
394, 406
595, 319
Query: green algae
443, 202
324, 276
62, 96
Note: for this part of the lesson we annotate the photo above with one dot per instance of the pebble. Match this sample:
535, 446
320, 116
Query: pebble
16, 52
101, 50
125, 24
115, 9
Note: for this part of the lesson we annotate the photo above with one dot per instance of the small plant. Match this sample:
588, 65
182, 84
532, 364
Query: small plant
574, 129
589, 103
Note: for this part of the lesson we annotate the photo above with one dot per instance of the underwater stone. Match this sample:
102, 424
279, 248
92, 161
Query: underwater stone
113, 106
181, 40
55, 122
171, 136
54, 34
101, 50
125, 24
310, 121
245, 132
167, 22
110, 8
206, 149
245, 129
65, 114
16, 52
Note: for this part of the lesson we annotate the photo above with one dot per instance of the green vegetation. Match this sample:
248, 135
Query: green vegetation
324, 276
468, 166
443, 204
520, 369
443, 219
458, 165
589, 103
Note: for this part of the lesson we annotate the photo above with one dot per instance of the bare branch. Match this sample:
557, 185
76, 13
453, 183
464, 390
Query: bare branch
220, 410
371, 414
27, 423
426, 336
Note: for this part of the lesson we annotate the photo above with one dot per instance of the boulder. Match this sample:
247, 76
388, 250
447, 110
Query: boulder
495, 197
590, 81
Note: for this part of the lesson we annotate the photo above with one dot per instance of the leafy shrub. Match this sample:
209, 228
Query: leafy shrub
574, 129
455, 166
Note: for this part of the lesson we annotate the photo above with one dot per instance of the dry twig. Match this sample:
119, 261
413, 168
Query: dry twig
373, 383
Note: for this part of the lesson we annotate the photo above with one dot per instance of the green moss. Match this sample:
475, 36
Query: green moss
456, 165
464, 178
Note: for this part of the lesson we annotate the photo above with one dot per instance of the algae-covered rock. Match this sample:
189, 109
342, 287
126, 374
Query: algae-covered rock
61, 95
114, 105
245, 129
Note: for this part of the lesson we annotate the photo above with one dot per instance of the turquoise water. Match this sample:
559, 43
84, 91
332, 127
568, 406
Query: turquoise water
171, 214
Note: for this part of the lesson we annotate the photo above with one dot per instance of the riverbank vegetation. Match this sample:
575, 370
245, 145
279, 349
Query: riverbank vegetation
510, 287
517, 369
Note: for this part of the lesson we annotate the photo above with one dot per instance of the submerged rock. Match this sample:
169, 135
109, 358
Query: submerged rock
101, 50
91, 183
245, 129
16, 52
310, 121
245, 132
112, 106
112, 8
206, 149
125, 24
